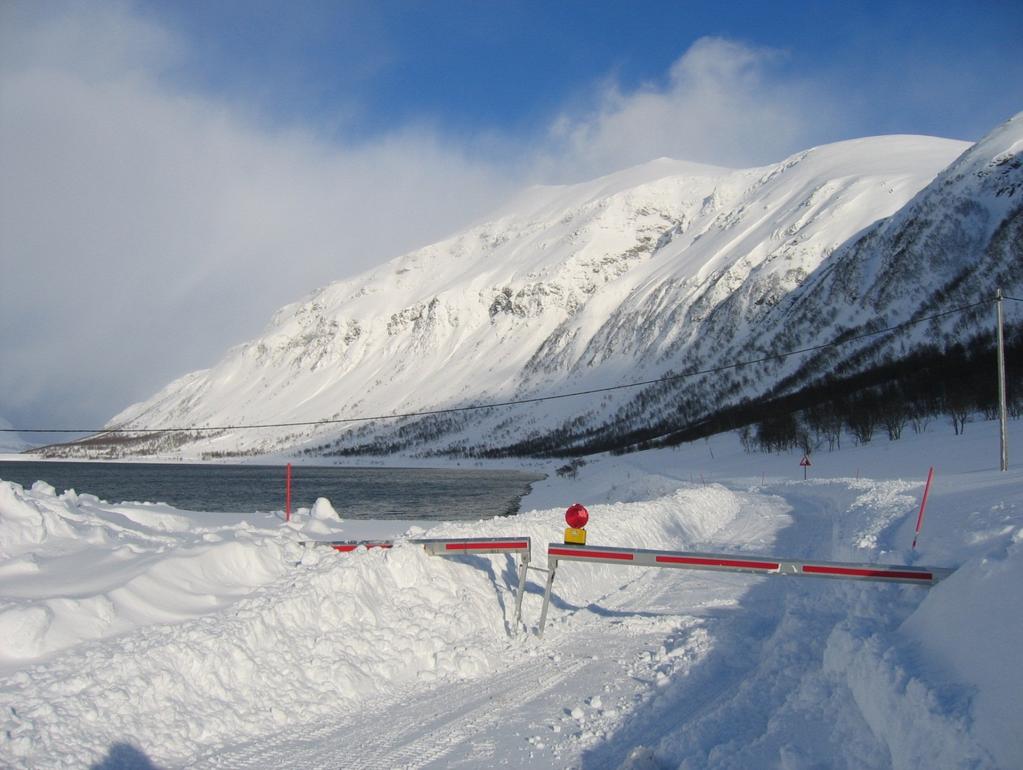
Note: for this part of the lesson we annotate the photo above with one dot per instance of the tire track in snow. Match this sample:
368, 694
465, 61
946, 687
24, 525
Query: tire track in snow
421, 731
430, 725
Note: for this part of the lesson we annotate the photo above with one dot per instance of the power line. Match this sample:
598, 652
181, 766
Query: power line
515, 402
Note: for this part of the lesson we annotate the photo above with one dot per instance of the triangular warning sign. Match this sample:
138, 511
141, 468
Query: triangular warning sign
805, 462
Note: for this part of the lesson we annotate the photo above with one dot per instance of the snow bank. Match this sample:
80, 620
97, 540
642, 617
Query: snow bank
944, 689
73, 568
971, 629
124, 624
336, 630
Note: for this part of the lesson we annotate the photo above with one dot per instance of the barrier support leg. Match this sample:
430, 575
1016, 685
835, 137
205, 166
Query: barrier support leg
523, 566
552, 565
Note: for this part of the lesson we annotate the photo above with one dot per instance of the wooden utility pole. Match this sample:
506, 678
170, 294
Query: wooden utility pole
1002, 411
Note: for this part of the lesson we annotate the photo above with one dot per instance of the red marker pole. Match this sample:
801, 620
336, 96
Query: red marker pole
923, 506
287, 493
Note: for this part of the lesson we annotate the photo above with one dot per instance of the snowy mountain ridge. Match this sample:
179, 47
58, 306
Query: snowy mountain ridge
651, 270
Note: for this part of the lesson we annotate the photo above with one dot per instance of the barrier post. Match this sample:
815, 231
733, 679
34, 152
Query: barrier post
552, 565
1002, 419
523, 566
287, 493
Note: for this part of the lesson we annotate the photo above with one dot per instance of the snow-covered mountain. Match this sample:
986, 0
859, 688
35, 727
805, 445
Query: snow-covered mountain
955, 243
663, 268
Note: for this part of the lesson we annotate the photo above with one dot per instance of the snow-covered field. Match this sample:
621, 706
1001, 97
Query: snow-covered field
135, 635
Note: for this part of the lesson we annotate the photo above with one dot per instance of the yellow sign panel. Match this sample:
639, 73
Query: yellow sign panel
575, 536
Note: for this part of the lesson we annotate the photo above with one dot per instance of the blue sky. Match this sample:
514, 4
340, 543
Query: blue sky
174, 172
358, 68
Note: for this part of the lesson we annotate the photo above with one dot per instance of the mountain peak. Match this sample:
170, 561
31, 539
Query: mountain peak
647, 270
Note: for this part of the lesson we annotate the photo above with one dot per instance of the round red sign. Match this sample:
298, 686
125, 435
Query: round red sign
576, 516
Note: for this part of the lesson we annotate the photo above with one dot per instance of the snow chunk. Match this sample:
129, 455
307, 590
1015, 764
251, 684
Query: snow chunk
324, 511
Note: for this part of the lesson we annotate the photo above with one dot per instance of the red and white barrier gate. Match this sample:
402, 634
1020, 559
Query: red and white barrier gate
449, 547
762, 565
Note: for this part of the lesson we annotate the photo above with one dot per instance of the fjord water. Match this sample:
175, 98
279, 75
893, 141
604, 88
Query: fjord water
356, 493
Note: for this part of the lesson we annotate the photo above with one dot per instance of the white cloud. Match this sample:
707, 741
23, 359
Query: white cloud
144, 229
723, 102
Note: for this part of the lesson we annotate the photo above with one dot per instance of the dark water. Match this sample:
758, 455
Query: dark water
356, 493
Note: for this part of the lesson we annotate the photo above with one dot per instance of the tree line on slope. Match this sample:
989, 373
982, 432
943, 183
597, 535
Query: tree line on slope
954, 381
